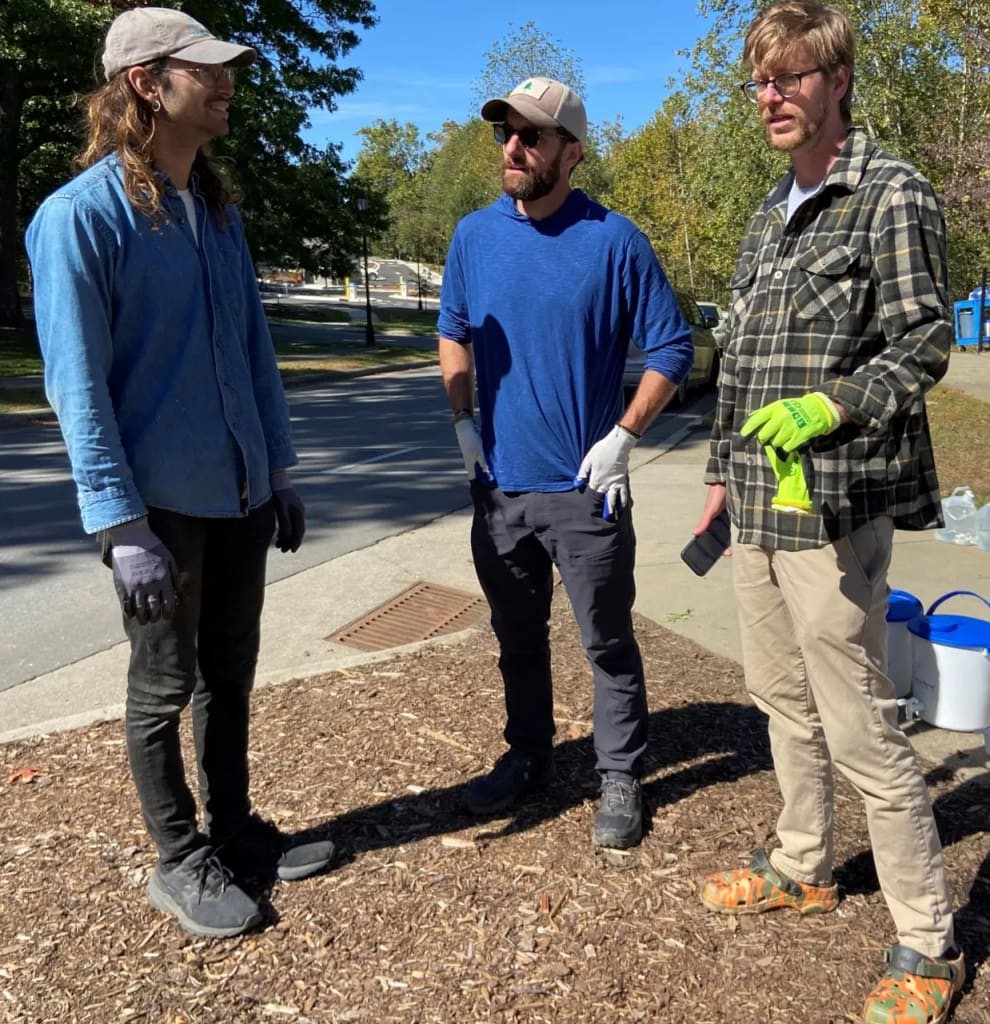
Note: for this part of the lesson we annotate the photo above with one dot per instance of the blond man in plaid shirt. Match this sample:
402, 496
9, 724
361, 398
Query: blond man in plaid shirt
820, 448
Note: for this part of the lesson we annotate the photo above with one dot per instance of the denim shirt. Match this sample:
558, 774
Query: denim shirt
158, 359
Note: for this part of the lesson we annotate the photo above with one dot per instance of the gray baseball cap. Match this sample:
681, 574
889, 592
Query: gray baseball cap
545, 103
144, 34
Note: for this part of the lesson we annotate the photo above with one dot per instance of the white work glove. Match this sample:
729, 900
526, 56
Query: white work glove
606, 469
473, 452
144, 572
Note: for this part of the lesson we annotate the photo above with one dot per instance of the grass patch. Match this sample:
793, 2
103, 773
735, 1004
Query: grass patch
22, 399
307, 314
19, 352
960, 428
296, 360
411, 321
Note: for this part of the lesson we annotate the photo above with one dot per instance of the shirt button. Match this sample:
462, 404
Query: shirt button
777, 275
759, 367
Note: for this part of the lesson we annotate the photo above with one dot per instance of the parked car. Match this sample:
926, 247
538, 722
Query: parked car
715, 318
704, 372
712, 312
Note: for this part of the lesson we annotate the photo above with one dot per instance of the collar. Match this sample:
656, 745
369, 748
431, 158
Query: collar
845, 175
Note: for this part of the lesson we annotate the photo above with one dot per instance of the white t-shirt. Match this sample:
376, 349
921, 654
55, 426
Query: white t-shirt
797, 196
190, 204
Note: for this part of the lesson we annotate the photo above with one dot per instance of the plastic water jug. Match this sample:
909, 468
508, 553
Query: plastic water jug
983, 527
959, 513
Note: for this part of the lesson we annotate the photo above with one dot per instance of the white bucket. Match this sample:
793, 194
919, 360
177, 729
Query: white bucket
902, 607
950, 677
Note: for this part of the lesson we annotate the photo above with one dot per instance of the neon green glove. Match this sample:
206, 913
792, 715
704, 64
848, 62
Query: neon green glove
791, 422
792, 490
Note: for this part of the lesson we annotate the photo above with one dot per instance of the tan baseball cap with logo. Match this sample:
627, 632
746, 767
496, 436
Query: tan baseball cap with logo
144, 34
545, 103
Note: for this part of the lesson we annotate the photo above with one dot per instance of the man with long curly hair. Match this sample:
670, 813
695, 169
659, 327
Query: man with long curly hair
161, 369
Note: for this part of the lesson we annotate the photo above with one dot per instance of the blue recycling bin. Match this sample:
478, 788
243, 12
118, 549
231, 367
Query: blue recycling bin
967, 319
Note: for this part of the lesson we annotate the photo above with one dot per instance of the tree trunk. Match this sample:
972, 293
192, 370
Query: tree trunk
11, 103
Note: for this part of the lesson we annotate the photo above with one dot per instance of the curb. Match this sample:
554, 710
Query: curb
326, 666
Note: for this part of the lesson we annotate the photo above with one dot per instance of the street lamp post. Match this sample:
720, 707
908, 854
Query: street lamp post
369, 327
419, 282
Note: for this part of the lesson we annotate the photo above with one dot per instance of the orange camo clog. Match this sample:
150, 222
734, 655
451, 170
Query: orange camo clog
915, 989
760, 887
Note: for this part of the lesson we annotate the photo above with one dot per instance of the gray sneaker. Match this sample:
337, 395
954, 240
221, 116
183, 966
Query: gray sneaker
202, 894
262, 849
514, 775
619, 821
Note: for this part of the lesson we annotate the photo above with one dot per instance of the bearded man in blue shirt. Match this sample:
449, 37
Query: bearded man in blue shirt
161, 369
543, 292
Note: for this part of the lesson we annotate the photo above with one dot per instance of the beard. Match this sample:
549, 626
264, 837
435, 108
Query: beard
528, 186
807, 127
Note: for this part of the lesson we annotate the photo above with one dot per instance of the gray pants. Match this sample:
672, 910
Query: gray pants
516, 539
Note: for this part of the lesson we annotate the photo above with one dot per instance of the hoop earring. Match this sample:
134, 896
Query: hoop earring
156, 105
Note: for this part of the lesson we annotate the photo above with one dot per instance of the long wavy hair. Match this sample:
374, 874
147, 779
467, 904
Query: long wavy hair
118, 120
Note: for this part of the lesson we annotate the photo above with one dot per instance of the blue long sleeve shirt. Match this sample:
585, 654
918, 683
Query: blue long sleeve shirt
158, 359
550, 308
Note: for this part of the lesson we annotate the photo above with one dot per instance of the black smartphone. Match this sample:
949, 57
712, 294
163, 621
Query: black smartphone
703, 551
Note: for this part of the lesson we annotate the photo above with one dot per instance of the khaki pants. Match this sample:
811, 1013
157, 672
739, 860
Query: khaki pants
814, 643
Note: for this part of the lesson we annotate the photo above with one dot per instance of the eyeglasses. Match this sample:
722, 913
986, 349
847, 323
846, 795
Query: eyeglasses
208, 74
786, 85
529, 137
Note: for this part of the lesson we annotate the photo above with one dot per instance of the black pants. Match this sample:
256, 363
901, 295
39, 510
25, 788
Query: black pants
207, 654
516, 540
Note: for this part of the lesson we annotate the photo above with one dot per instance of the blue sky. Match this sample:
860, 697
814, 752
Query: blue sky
422, 59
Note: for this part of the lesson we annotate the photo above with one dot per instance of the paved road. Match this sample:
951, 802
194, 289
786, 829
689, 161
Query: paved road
377, 458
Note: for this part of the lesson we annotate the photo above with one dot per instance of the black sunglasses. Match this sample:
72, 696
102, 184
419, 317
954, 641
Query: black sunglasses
529, 137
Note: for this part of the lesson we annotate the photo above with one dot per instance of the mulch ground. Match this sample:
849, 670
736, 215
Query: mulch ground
431, 916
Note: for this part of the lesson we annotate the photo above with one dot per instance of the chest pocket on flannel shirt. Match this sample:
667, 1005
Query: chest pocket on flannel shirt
827, 283
741, 285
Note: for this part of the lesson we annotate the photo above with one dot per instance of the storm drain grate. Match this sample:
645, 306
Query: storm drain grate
423, 611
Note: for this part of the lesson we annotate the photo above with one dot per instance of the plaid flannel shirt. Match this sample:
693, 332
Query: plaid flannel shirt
848, 299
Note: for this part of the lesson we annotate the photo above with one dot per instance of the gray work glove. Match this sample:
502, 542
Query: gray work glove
606, 469
290, 513
472, 451
145, 575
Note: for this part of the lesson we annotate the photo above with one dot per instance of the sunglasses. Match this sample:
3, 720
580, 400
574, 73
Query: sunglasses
207, 74
529, 137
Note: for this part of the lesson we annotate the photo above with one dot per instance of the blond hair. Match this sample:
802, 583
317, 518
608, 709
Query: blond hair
825, 32
119, 120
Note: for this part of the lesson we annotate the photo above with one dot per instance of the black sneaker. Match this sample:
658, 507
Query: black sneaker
619, 821
262, 849
202, 894
514, 775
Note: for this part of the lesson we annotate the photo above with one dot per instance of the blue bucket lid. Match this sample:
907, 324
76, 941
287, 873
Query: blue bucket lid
952, 630
902, 606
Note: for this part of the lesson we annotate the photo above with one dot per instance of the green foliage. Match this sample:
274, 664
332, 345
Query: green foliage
390, 157
294, 197
524, 52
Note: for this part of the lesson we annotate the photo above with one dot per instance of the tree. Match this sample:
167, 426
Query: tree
922, 90
390, 156
522, 53
48, 53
